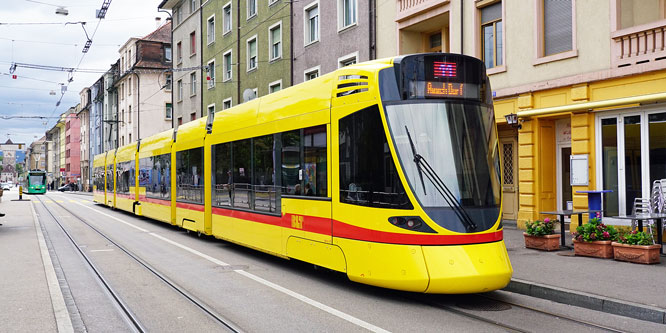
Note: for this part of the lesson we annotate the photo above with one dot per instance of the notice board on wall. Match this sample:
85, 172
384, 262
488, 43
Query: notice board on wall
579, 170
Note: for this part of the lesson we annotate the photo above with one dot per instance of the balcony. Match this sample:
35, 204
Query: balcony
408, 8
640, 44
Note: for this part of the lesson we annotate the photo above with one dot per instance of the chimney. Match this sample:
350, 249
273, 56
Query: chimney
158, 21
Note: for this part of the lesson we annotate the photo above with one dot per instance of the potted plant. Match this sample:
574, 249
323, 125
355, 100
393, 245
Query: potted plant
636, 247
594, 239
539, 235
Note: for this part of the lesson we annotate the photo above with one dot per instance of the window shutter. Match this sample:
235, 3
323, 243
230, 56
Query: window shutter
491, 13
557, 26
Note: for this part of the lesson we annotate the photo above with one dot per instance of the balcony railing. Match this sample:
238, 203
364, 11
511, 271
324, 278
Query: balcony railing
407, 8
640, 44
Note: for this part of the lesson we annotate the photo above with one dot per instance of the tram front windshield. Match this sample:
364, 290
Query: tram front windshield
441, 119
36, 179
458, 141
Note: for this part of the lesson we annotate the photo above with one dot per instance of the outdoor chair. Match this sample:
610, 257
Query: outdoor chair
643, 206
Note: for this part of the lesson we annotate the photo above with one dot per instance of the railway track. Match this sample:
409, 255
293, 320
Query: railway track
130, 317
473, 304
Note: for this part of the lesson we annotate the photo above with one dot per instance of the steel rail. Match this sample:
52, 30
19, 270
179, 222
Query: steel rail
227, 323
126, 313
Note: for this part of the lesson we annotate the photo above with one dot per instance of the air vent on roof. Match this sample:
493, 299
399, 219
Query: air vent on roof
346, 87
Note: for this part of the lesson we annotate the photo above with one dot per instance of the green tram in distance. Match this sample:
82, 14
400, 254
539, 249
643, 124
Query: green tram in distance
36, 182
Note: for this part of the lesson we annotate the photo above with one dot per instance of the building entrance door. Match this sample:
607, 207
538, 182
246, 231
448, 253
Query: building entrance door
564, 194
509, 148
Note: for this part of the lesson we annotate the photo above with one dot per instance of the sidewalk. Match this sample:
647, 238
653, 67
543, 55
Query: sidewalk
633, 290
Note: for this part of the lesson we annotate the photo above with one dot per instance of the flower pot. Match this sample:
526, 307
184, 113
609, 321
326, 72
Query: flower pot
640, 254
546, 243
597, 249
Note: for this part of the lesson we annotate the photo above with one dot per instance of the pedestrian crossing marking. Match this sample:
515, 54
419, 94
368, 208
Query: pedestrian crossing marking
48, 201
59, 201
72, 200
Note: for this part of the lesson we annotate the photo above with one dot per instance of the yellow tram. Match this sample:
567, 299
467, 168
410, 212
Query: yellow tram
387, 171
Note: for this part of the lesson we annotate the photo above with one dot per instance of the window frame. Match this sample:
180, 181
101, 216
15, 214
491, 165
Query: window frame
210, 37
230, 64
540, 40
193, 84
209, 106
230, 18
341, 17
346, 58
193, 43
247, 48
306, 23
272, 43
224, 101
179, 52
168, 84
179, 86
168, 115
311, 70
193, 6
479, 35
211, 74
248, 14
273, 84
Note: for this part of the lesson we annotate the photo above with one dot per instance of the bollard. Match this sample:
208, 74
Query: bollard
20, 192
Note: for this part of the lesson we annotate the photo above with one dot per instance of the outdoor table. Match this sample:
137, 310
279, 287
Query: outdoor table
569, 212
647, 216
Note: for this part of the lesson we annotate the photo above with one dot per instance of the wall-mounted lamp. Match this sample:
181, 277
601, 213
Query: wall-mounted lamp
512, 120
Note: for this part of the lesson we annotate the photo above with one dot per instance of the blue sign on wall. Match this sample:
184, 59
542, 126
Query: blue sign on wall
20, 156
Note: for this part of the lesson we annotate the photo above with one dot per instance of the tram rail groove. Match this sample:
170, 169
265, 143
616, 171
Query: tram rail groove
565, 317
227, 323
126, 313
464, 312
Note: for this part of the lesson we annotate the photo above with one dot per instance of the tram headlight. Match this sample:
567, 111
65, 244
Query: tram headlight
413, 223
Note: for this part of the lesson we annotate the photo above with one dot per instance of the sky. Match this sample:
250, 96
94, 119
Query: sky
32, 33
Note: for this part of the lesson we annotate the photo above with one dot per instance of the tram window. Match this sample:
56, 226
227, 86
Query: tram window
291, 162
241, 178
109, 178
124, 172
265, 197
155, 176
189, 175
98, 181
223, 191
368, 175
314, 167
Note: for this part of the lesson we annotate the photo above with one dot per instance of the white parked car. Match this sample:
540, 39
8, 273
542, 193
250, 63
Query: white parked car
6, 186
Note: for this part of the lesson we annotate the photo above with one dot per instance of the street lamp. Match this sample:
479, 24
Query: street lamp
513, 121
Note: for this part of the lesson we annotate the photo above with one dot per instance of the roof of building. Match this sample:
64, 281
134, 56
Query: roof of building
162, 34
9, 142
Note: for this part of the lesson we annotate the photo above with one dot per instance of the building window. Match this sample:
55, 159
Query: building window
226, 104
193, 84
227, 65
251, 8
167, 53
255, 93
193, 6
180, 90
491, 35
311, 23
211, 109
348, 60
179, 52
226, 18
346, 13
129, 86
557, 23
211, 29
122, 91
193, 116
274, 86
180, 121
252, 53
129, 114
193, 43
311, 73
275, 40
168, 111
179, 15
169, 82
211, 74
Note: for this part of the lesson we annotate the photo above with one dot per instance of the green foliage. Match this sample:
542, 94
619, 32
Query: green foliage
594, 230
540, 228
636, 238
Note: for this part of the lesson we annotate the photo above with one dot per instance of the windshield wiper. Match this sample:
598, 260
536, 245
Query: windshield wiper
424, 167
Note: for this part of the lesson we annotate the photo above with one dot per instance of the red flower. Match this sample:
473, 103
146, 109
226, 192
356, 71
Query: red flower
606, 234
547, 219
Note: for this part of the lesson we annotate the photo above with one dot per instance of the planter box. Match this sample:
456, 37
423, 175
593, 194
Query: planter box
598, 249
640, 254
545, 243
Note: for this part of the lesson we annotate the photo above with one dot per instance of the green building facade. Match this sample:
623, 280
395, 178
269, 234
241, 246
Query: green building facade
246, 50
